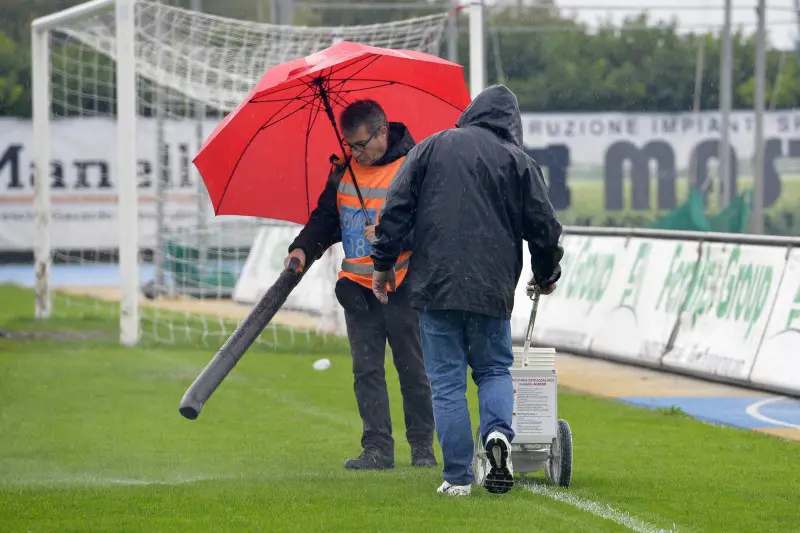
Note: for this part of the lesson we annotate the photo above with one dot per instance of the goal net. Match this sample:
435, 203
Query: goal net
190, 70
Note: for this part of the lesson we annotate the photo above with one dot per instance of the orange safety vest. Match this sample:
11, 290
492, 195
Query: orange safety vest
373, 182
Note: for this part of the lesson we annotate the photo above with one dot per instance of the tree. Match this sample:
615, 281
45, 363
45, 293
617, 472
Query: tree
553, 62
14, 71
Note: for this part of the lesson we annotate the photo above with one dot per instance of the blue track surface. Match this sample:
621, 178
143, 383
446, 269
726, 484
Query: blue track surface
62, 275
731, 411
91, 275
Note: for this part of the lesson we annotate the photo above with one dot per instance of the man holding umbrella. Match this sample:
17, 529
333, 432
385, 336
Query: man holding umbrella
347, 211
264, 160
471, 195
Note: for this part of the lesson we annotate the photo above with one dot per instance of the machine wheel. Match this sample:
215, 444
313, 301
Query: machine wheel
479, 460
559, 462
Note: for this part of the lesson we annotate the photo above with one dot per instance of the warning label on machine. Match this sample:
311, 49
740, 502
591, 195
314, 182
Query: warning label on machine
534, 406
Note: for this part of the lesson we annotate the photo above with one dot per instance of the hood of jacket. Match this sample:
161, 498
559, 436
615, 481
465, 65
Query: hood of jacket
495, 109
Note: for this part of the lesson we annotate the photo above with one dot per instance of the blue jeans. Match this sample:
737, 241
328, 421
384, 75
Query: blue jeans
451, 340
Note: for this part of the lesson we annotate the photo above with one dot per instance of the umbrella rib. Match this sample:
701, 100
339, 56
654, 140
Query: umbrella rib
277, 100
334, 92
339, 100
264, 126
304, 98
315, 102
334, 95
373, 58
233, 170
377, 86
274, 91
312, 119
336, 69
317, 98
301, 82
313, 115
272, 121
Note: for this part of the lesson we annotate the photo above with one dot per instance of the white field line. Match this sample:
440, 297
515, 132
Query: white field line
127, 481
89, 480
67, 480
598, 509
753, 410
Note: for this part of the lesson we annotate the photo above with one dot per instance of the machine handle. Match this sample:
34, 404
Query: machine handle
531, 322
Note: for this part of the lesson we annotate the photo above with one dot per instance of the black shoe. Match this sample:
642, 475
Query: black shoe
500, 478
422, 456
370, 459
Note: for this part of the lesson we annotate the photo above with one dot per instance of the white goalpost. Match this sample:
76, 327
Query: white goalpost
124, 93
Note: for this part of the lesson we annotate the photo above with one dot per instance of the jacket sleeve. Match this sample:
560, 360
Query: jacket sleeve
323, 228
408, 242
394, 231
540, 227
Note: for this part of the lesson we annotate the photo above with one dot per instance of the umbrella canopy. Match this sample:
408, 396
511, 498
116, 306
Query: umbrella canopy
270, 157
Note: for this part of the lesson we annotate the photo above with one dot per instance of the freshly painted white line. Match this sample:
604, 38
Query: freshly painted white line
90, 480
753, 410
69, 480
124, 481
598, 509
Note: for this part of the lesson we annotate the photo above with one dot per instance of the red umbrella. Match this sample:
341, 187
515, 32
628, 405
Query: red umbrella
270, 157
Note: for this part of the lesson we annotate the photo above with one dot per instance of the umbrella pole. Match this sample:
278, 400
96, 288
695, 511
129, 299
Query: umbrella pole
329, 111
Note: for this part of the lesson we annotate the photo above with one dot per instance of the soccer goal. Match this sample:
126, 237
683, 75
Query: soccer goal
125, 92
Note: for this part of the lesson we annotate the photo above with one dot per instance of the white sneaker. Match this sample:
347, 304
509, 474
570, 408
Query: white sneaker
500, 478
454, 490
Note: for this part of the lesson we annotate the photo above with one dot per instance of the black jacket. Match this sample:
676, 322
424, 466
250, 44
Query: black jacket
472, 195
323, 228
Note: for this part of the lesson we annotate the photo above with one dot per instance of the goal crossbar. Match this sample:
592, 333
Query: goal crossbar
70, 14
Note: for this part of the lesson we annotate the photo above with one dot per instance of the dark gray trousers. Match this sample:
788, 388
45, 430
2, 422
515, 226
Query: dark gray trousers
369, 325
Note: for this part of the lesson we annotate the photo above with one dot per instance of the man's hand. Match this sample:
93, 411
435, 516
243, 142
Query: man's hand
369, 233
532, 288
548, 290
379, 281
298, 254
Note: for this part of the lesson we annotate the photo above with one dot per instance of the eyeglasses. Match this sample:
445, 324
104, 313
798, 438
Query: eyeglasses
361, 145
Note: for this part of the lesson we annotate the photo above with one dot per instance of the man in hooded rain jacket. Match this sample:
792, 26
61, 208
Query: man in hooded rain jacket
471, 195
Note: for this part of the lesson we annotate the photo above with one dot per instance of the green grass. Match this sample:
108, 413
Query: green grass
79, 316
92, 441
588, 208
16, 314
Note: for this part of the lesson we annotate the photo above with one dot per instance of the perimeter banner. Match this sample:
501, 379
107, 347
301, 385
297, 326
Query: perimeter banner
717, 310
589, 159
